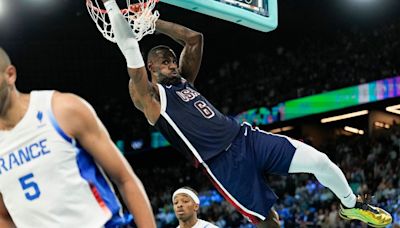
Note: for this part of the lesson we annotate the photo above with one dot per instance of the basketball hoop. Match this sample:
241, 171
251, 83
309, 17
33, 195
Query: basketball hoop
140, 17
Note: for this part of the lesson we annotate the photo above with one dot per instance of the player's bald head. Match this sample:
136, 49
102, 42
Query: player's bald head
4, 60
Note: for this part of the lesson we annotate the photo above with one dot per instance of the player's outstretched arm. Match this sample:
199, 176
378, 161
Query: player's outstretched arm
140, 88
5, 218
192, 41
79, 120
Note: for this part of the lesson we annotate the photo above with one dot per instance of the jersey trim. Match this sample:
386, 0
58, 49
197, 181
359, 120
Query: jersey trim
163, 98
57, 127
52, 118
182, 136
100, 187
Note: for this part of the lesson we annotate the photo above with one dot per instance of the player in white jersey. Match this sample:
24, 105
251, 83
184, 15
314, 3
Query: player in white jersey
186, 205
52, 146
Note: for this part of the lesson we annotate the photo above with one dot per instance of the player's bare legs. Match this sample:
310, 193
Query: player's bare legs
272, 221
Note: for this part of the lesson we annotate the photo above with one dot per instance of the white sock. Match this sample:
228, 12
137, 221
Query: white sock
349, 201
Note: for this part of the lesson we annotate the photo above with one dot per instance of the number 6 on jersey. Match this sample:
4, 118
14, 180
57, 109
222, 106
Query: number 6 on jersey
204, 109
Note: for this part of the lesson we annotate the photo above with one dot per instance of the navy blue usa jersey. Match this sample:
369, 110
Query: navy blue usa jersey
191, 124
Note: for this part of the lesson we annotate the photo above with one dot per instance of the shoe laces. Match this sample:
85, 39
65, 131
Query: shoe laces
363, 202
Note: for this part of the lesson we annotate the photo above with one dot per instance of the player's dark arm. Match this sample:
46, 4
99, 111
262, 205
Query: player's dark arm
143, 93
140, 87
5, 218
192, 42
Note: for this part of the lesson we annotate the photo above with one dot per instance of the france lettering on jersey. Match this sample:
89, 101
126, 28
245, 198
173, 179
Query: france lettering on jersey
48, 180
191, 124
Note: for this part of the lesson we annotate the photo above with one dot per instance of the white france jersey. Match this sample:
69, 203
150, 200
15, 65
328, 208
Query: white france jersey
203, 224
47, 179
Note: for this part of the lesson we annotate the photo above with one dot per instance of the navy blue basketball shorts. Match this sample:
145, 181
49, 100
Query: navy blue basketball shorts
238, 172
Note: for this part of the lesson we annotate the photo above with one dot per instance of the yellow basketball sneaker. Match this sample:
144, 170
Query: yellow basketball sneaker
373, 216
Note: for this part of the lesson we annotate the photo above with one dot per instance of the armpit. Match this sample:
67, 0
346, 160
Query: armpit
154, 93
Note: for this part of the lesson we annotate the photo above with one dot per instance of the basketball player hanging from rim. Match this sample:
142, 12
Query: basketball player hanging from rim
234, 156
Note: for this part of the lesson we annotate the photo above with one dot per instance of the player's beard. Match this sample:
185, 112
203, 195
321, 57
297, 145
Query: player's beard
169, 80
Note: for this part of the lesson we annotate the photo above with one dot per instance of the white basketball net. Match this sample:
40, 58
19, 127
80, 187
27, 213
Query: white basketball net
140, 17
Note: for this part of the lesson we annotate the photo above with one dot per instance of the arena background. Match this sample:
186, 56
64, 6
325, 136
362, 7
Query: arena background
319, 46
